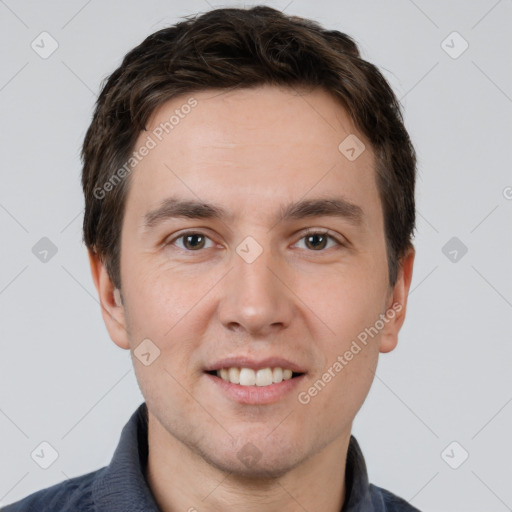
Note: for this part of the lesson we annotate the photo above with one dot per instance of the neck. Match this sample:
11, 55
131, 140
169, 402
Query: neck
181, 480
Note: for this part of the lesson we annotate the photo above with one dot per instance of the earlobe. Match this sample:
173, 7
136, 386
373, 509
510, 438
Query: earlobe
398, 303
112, 308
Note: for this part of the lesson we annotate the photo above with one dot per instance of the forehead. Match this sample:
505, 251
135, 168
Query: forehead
246, 146
249, 118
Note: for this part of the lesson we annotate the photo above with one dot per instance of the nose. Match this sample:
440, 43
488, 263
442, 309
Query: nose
256, 298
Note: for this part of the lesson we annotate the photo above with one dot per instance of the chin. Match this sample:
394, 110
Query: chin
243, 467
249, 454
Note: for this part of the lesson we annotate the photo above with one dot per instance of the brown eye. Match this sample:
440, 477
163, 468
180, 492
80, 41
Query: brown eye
195, 241
318, 240
191, 241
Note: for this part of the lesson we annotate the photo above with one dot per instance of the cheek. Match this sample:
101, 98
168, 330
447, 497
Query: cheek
350, 361
346, 302
168, 308
159, 298
349, 305
334, 395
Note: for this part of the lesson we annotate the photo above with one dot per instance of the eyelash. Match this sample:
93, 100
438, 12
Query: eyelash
308, 232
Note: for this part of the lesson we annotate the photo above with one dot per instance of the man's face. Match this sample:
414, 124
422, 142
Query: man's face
253, 289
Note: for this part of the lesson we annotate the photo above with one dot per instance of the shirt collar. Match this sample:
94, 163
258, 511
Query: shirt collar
357, 486
122, 484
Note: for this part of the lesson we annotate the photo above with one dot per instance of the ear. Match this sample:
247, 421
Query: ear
397, 303
112, 307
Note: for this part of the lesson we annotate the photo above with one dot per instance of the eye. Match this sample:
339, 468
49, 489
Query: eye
317, 240
192, 241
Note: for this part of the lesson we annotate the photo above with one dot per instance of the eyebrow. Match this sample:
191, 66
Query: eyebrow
173, 207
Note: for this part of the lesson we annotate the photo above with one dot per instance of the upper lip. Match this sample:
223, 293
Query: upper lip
255, 364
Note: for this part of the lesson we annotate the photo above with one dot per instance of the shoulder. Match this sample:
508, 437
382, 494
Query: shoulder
388, 501
73, 495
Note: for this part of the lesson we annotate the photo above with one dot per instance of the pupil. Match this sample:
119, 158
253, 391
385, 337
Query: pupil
191, 237
314, 237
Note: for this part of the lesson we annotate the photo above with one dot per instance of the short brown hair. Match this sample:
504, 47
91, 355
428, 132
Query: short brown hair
240, 48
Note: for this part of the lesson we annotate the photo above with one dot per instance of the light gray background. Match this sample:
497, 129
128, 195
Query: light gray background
65, 382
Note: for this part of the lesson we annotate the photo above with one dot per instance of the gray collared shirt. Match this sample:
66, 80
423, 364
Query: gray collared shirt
122, 486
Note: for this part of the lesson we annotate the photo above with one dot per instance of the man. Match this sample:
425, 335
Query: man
249, 191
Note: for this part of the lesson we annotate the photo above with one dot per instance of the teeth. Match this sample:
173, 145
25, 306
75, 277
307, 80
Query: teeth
264, 377
277, 375
233, 375
249, 377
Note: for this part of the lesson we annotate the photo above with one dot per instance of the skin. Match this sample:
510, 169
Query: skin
252, 151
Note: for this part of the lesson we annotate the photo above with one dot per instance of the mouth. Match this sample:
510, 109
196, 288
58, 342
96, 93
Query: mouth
262, 377
250, 382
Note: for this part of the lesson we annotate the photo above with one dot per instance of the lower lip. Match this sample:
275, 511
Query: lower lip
256, 395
